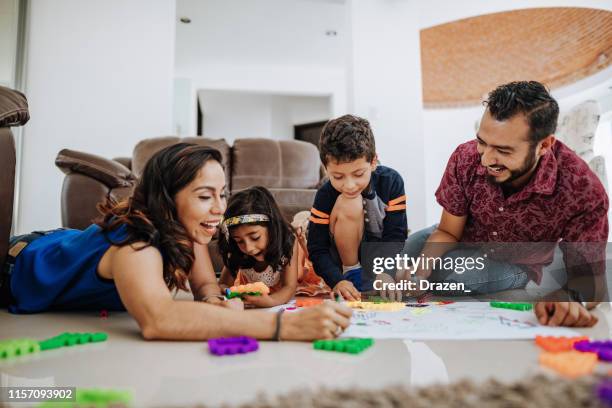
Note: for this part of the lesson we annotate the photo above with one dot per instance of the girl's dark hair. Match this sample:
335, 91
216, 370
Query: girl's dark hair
150, 214
257, 200
530, 98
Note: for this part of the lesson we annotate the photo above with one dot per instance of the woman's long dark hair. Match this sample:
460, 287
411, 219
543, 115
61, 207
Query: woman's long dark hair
150, 214
257, 200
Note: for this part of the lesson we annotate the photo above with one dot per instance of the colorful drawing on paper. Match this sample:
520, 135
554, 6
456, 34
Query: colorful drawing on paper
460, 320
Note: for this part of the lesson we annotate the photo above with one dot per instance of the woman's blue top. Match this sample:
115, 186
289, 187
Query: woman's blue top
59, 271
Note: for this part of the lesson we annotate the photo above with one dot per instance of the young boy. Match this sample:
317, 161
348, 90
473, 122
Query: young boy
362, 201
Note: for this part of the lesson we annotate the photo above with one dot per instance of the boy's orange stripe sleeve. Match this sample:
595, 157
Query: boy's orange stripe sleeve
318, 213
396, 207
318, 220
397, 200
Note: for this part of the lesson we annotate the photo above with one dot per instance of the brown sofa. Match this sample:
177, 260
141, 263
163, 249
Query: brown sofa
13, 112
290, 169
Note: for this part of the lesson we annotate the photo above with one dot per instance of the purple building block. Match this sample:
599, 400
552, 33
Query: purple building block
584, 346
603, 348
604, 392
232, 345
605, 354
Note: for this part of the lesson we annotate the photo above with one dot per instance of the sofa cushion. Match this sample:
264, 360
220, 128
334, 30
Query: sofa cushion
13, 108
274, 164
145, 149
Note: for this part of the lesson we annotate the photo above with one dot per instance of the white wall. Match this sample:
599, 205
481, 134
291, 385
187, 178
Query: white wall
277, 80
99, 78
232, 115
182, 105
385, 87
8, 41
264, 46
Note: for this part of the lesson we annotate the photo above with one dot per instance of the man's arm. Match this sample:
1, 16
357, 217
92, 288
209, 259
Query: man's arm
443, 239
584, 243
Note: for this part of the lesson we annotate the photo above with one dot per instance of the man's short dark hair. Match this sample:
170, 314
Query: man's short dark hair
530, 98
346, 139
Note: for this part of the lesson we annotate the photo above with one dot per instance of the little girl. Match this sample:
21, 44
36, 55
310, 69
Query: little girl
260, 246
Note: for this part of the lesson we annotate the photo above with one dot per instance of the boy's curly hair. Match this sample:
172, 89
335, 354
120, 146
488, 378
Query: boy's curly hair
346, 139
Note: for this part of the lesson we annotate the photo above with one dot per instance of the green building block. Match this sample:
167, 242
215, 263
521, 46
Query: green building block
513, 306
50, 344
94, 398
377, 299
351, 346
231, 295
18, 347
71, 339
103, 396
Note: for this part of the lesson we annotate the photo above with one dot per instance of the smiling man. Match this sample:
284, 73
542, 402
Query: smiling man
516, 184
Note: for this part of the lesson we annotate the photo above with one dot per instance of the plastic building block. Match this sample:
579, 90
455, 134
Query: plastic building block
556, 344
18, 347
605, 354
71, 339
307, 302
250, 289
376, 299
570, 364
93, 397
351, 346
603, 348
513, 306
102, 396
382, 307
604, 392
232, 345
592, 346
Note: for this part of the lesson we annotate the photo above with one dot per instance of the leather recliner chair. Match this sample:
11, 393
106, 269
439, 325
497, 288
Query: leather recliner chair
13, 112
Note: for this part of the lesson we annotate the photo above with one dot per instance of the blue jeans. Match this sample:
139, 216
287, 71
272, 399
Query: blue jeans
496, 277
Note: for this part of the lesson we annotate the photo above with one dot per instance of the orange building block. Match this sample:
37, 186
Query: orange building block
570, 364
556, 344
251, 288
307, 302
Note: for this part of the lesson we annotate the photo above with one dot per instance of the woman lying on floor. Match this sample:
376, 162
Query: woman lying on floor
144, 248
